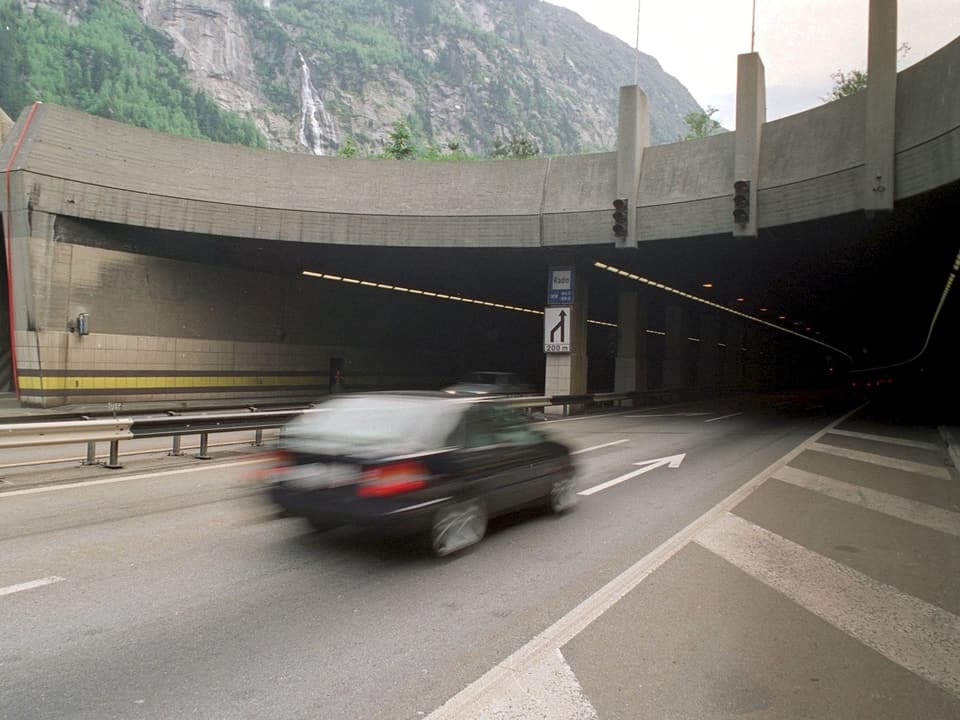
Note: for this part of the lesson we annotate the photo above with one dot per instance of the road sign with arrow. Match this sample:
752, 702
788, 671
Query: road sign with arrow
556, 330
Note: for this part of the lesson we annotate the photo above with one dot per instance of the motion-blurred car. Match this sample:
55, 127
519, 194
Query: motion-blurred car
417, 463
491, 382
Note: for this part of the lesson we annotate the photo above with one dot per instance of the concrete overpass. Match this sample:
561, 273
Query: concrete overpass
185, 258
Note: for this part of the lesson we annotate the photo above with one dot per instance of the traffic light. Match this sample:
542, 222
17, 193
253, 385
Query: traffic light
620, 214
741, 202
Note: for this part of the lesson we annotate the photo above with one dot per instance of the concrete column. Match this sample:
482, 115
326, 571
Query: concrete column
751, 115
881, 107
633, 135
625, 373
675, 356
566, 373
733, 356
708, 366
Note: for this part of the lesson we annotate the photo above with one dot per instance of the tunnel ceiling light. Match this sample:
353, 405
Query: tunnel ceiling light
685, 295
708, 285
439, 295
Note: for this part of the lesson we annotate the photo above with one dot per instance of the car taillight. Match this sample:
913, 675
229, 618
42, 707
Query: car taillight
393, 479
273, 461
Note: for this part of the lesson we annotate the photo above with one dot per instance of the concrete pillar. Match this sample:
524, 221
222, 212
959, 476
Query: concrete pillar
707, 369
566, 373
733, 356
675, 355
625, 372
751, 115
633, 135
881, 107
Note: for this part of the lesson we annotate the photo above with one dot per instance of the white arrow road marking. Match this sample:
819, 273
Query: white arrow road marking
10, 589
647, 465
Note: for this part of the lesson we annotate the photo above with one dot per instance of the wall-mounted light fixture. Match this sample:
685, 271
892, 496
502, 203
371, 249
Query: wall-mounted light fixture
79, 326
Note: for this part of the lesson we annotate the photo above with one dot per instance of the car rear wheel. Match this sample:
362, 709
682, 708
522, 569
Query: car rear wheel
563, 494
458, 526
321, 525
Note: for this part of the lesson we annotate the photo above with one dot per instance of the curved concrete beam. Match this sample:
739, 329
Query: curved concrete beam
811, 166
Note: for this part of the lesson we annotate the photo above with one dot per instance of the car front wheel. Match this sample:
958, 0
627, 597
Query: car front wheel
458, 526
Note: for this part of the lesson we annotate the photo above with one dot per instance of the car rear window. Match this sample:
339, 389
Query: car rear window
398, 422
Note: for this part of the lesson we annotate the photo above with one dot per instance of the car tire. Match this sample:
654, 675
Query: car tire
563, 494
458, 526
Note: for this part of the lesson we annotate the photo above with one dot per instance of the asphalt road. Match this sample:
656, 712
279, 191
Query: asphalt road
170, 589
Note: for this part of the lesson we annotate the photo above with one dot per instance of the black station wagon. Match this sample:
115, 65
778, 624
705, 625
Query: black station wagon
417, 463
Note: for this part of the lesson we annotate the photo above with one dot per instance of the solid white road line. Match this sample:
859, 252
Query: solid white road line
125, 478
723, 417
499, 682
600, 447
10, 589
889, 439
677, 414
902, 508
916, 635
935, 471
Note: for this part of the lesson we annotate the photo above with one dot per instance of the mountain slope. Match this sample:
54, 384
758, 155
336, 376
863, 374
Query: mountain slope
312, 73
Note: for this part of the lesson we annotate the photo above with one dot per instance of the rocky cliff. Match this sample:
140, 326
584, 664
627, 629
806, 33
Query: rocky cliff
312, 73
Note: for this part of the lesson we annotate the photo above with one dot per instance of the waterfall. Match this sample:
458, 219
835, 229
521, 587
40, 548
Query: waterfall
317, 126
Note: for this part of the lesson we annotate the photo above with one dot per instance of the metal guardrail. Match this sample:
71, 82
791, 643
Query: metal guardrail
58, 433
92, 431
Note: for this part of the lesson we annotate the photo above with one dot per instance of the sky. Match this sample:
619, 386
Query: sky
800, 42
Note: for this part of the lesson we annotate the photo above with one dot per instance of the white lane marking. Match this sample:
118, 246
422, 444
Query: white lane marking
125, 478
581, 418
548, 690
680, 414
888, 439
673, 461
916, 635
599, 447
935, 471
723, 417
902, 508
498, 681
10, 589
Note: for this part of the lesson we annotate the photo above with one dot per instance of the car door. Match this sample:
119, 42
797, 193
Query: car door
493, 465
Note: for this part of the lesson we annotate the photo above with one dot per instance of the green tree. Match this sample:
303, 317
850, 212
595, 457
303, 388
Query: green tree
849, 83
519, 146
846, 84
401, 145
348, 148
701, 124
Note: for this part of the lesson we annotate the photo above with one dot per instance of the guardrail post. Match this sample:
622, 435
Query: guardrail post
91, 454
203, 447
176, 451
258, 438
114, 462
